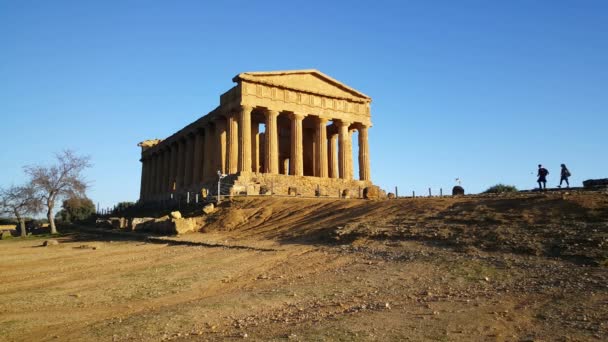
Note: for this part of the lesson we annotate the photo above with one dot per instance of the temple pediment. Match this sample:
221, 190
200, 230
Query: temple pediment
312, 81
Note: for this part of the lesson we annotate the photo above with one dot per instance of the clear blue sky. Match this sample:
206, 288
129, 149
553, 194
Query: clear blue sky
481, 90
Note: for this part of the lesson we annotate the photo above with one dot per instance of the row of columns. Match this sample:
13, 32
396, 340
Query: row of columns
230, 144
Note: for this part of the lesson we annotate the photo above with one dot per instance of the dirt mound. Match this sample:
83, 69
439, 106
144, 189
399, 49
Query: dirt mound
567, 225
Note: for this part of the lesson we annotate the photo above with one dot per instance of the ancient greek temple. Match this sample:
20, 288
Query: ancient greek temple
282, 132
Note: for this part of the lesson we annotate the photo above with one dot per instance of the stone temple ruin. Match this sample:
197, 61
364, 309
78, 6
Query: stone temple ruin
280, 132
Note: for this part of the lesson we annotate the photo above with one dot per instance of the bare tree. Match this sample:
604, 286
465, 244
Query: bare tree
62, 180
20, 201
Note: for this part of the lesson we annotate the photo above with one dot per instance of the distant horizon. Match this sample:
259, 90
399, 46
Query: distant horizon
482, 92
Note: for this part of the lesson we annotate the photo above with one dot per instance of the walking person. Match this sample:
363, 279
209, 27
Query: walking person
564, 176
542, 177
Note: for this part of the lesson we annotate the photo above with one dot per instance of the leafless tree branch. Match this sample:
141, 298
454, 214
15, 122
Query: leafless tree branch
61, 180
20, 201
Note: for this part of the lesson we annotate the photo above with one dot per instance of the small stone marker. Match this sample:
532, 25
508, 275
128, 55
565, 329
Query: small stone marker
51, 242
457, 190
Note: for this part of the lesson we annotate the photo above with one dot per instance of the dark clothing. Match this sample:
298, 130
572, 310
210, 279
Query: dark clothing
564, 176
542, 178
542, 174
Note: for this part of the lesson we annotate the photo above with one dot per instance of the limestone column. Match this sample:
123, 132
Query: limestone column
189, 161
203, 155
244, 126
271, 143
172, 167
198, 157
261, 152
153, 174
349, 156
364, 166
220, 153
343, 149
165, 178
321, 148
209, 163
232, 126
161, 169
285, 164
150, 168
255, 148
181, 163
333, 156
151, 185
169, 166
142, 188
159, 175
296, 162
315, 155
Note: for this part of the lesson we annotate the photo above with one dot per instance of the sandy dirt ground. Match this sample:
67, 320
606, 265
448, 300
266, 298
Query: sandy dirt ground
528, 267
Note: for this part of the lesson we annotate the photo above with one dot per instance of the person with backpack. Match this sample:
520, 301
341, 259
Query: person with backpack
564, 176
542, 177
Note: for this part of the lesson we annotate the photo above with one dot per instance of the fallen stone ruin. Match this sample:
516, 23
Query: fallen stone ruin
172, 224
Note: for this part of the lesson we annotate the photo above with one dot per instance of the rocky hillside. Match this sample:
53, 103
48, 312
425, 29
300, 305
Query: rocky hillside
570, 225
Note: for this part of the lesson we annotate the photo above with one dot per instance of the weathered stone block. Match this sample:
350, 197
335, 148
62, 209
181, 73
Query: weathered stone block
173, 226
182, 226
457, 191
209, 208
103, 223
238, 189
371, 192
345, 193
138, 223
119, 222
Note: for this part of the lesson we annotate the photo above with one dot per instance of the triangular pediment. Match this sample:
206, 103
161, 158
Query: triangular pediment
312, 81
